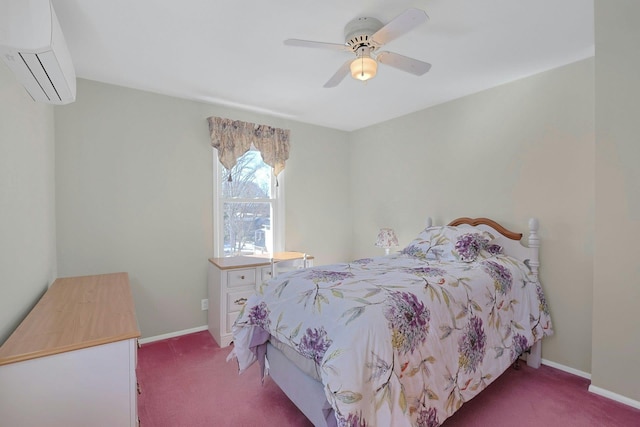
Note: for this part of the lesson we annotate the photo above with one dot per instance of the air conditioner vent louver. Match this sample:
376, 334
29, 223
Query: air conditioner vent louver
32, 45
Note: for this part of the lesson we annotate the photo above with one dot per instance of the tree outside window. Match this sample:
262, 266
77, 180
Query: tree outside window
247, 206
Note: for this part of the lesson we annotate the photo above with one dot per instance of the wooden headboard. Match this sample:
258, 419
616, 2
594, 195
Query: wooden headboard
509, 240
491, 223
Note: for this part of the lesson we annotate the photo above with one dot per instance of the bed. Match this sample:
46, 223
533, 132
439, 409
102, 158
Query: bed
402, 339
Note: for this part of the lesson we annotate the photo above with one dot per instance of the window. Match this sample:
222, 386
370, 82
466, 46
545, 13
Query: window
248, 207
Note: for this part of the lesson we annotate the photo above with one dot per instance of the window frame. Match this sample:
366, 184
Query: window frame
277, 208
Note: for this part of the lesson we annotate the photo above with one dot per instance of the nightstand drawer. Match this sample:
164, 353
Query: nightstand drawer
236, 300
266, 273
231, 318
241, 277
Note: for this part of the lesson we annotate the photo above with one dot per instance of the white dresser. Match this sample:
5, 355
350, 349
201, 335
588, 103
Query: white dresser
233, 279
72, 361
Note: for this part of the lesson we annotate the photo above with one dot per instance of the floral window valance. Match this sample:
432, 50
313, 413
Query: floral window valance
233, 138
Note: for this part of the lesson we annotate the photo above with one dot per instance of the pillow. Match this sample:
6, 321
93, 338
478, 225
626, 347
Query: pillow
462, 243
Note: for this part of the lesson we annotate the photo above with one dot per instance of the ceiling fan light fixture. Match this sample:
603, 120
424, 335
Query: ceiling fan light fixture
364, 68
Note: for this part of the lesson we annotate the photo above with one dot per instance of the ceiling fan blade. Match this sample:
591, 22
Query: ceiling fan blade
339, 75
402, 24
403, 63
320, 45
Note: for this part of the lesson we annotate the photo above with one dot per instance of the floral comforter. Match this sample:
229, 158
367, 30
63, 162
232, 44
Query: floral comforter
397, 340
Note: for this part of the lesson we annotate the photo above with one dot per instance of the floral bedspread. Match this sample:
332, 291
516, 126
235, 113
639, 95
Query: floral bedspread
397, 340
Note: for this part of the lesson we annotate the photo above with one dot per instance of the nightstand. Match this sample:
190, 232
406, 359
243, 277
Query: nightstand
233, 279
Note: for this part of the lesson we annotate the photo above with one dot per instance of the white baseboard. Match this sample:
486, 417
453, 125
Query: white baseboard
614, 396
566, 369
172, 334
594, 389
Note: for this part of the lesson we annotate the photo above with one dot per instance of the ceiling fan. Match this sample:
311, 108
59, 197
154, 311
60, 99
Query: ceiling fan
363, 37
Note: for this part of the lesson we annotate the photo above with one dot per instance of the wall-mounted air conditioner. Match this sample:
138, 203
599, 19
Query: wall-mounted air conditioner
32, 45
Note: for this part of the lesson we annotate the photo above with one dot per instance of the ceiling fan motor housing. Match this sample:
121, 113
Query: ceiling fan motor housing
358, 32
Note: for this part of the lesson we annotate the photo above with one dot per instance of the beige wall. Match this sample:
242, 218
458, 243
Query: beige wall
27, 202
134, 193
512, 152
616, 296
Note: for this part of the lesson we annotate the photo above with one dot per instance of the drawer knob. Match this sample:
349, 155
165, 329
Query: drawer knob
242, 277
240, 301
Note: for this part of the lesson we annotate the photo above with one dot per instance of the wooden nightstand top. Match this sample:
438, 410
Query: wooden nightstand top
255, 260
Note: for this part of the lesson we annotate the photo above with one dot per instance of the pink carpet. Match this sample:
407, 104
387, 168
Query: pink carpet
186, 381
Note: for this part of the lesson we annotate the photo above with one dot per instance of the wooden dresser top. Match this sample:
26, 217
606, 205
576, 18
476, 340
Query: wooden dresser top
255, 260
75, 313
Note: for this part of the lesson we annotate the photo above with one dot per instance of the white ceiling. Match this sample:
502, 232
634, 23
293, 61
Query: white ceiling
231, 52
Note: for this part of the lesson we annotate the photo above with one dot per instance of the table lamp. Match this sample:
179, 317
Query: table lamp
386, 239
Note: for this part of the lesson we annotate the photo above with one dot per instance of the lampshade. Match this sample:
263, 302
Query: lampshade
364, 68
386, 239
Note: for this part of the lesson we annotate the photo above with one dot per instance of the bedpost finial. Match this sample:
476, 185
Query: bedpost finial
533, 224
428, 222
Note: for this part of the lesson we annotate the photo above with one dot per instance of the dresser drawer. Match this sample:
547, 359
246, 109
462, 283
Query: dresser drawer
236, 300
241, 277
